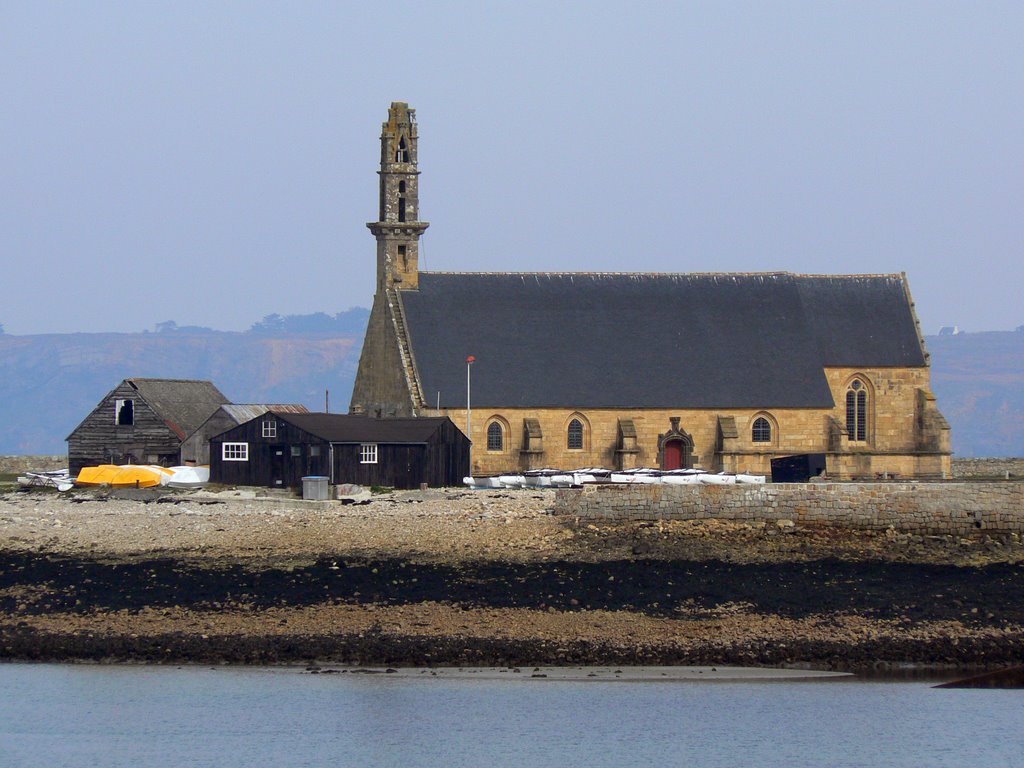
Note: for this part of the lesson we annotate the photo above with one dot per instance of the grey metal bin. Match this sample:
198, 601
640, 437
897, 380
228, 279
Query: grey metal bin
315, 488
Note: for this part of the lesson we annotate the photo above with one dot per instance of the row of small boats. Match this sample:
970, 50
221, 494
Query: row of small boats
143, 476
557, 478
60, 479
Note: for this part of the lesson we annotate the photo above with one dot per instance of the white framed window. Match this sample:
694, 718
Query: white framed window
235, 451
368, 453
270, 428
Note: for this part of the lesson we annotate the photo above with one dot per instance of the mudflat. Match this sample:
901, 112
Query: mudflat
486, 578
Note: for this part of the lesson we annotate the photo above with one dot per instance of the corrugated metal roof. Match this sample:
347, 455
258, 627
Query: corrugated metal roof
243, 412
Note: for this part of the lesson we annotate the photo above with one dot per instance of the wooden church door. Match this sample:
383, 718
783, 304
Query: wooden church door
678, 454
674, 454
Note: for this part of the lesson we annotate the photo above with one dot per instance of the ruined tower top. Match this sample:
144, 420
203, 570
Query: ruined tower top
398, 136
398, 228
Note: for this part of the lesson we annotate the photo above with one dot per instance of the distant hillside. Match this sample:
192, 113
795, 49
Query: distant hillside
51, 382
979, 381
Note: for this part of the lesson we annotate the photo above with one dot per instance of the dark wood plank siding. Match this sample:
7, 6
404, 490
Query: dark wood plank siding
398, 465
271, 462
441, 461
449, 456
98, 440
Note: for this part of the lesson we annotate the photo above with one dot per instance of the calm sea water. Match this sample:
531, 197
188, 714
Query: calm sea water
57, 715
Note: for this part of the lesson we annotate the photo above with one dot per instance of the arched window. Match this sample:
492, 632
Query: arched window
402, 155
495, 436
857, 411
761, 431
575, 435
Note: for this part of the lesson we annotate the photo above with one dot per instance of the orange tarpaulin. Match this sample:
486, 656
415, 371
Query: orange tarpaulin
124, 476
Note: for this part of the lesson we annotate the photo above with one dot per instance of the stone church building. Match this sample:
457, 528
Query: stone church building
720, 371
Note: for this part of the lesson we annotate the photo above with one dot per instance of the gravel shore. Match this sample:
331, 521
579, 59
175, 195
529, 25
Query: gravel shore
485, 578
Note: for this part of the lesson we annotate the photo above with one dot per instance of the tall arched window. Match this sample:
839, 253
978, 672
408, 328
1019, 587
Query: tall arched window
402, 154
495, 436
857, 411
575, 435
761, 431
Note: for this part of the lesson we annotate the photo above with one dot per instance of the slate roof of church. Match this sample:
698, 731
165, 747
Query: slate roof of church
592, 340
342, 428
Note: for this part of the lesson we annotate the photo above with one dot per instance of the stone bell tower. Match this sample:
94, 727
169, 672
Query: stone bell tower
399, 228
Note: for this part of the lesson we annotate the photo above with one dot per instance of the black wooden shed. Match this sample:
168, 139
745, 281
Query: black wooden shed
278, 449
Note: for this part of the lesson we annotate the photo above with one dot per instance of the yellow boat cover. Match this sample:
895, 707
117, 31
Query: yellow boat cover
135, 476
124, 476
96, 475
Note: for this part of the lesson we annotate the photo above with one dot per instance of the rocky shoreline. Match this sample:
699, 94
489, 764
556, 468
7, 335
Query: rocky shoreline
456, 578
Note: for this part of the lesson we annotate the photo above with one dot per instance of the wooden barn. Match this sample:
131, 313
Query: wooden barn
196, 448
279, 449
142, 421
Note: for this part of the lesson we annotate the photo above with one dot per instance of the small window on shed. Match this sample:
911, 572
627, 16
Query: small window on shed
575, 435
368, 453
761, 432
270, 428
296, 451
314, 450
124, 413
235, 451
495, 437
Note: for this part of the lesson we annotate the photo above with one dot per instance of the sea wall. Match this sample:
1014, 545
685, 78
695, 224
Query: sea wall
19, 464
940, 508
966, 469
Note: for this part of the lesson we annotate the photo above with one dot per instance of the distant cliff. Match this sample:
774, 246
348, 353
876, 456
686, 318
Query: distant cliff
979, 381
49, 383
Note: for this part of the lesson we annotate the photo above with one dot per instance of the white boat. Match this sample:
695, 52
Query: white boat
681, 477
59, 479
512, 481
561, 480
750, 479
719, 479
188, 477
591, 475
540, 478
482, 482
642, 475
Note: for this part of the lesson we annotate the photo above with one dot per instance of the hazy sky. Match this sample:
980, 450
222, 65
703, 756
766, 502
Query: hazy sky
212, 163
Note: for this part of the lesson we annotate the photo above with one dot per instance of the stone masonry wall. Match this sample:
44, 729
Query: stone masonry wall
18, 464
957, 508
988, 468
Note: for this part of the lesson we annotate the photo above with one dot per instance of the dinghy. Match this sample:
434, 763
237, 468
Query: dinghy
188, 477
